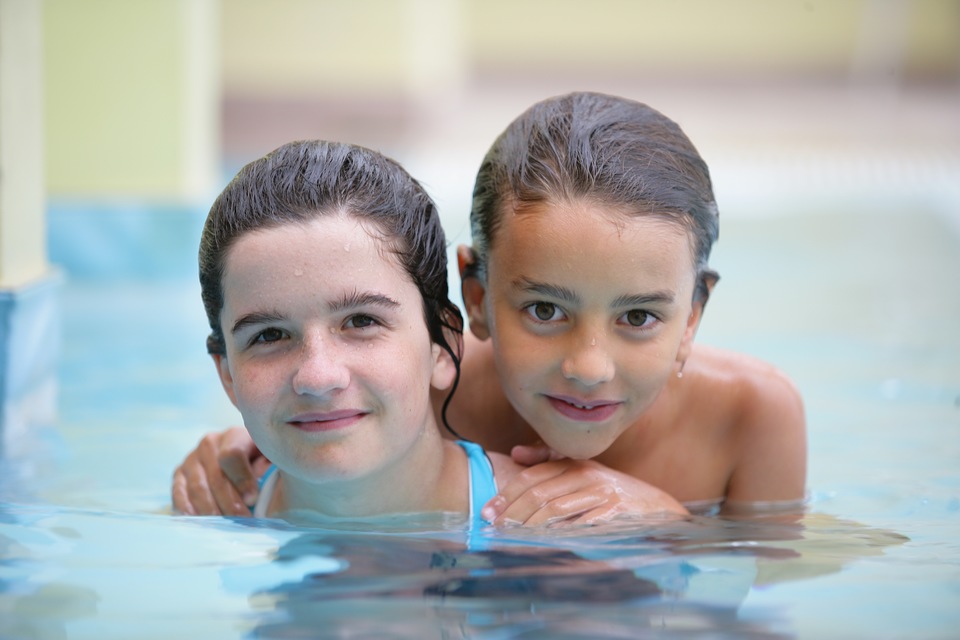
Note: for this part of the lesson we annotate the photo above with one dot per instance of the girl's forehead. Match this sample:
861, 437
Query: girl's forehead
331, 241
581, 223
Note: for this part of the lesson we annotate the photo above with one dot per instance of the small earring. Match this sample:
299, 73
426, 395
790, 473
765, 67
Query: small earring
680, 372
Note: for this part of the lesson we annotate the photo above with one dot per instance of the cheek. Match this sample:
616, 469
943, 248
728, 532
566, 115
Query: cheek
253, 387
521, 362
401, 374
645, 371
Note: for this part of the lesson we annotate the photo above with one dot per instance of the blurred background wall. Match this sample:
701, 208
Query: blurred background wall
165, 98
120, 120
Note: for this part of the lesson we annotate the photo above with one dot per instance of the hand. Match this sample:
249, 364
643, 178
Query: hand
219, 477
575, 491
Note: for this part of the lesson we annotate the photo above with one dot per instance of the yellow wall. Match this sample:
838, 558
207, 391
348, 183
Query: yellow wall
325, 47
133, 87
299, 46
704, 36
132, 97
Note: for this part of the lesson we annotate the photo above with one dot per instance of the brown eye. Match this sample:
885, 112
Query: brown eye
544, 311
361, 321
637, 318
268, 335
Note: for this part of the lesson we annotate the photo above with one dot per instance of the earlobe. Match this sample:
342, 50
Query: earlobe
226, 379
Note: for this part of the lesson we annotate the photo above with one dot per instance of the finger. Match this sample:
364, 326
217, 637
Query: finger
599, 515
560, 497
235, 460
193, 480
518, 485
529, 455
181, 499
209, 484
563, 509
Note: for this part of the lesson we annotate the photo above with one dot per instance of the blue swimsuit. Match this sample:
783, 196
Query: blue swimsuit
483, 486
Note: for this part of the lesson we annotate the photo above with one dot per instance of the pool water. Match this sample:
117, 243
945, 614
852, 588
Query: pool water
861, 309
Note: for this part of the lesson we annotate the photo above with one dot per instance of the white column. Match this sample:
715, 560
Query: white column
29, 317
23, 255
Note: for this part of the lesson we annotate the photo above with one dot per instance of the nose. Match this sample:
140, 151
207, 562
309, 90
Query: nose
321, 368
588, 361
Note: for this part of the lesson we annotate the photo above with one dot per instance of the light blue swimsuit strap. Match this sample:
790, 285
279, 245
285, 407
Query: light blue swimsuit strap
265, 476
265, 496
483, 486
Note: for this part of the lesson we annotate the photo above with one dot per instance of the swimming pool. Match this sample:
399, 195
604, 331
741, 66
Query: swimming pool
859, 307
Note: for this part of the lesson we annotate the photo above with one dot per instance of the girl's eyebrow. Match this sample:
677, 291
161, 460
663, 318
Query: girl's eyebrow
640, 300
358, 299
347, 301
562, 293
548, 290
255, 318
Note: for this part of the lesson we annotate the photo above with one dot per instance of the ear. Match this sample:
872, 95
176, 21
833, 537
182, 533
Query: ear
473, 291
693, 323
226, 379
444, 369
706, 281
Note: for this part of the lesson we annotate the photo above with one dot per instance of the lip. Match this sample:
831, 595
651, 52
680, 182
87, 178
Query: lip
583, 410
327, 420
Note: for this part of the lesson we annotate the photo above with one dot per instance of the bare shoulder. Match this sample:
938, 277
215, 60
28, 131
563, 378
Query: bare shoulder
753, 384
768, 426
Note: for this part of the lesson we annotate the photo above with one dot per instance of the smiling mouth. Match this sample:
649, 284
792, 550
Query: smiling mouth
327, 421
583, 412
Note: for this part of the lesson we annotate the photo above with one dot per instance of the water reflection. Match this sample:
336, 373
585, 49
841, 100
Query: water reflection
107, 574
620, 581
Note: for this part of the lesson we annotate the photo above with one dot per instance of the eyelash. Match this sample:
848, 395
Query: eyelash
531, 313
649, 318
259, 338
374, 322
645, 326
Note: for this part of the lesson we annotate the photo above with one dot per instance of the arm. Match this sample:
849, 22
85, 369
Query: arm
219, 477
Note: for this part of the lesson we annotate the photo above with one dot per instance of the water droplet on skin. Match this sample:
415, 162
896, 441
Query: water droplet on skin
346, 248
298, 272
593, 342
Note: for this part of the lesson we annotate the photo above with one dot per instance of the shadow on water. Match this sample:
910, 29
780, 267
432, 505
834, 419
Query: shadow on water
84, 573
678, 579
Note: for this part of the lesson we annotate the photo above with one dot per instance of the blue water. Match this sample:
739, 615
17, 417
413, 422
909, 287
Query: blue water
861, 309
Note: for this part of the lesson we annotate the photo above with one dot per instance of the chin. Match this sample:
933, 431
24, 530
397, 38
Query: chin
579, 450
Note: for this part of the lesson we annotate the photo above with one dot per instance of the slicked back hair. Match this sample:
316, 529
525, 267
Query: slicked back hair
605, 149
304, 180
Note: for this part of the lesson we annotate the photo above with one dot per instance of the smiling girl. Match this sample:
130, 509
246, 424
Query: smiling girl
593, 219
323, 274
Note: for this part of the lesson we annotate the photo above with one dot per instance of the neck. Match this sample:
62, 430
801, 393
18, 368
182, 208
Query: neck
431, 476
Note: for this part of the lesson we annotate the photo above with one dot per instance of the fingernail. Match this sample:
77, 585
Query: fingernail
492, 509
250, 498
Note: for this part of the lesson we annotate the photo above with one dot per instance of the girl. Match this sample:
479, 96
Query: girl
323, 275
593, 219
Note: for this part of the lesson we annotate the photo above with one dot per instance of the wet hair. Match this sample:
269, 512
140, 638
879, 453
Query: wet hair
304, 180
605, 149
